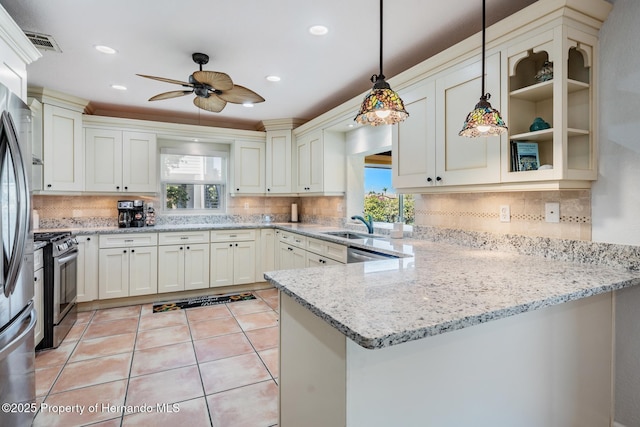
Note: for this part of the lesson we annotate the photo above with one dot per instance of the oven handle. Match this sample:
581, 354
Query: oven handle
66, 259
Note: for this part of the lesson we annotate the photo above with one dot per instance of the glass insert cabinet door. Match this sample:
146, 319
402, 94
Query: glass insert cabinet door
14, 202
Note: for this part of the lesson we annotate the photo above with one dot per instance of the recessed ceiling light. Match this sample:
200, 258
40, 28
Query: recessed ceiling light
273, 78
350, 125
318, 30
105, 49
248, 104
119, 87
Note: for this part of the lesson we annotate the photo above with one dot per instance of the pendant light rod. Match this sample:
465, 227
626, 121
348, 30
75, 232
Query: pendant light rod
484, 37
381, 75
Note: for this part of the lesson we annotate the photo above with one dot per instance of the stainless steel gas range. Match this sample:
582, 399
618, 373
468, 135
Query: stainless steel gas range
60, 286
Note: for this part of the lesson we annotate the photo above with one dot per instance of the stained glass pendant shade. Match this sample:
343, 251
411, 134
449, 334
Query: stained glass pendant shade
381, 106
484, 120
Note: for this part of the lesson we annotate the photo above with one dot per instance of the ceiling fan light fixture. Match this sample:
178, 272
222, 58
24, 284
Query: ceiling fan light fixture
318, 30
118, 87
484, 120
105, 49
248, 104
273, 78
381, 106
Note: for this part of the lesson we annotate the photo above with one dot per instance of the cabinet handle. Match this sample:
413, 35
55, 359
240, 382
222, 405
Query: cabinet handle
124, 252
290, 249
438, 178
35, 279
48, 185
188, 247
117, 187
180, 247
230, 245
184, 238
133, 250
268, 189
126, 188
237, 189
236, 245
88, 239
429, 179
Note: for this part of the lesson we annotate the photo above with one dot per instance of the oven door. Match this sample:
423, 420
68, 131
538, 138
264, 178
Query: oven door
65, 284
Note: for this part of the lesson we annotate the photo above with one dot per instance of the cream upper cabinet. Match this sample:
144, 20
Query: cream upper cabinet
278, 162
248, 168
320, 162
118, 161
461, 160
63, 149
16, 51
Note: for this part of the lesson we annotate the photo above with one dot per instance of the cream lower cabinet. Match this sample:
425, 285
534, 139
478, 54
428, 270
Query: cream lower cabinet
183, 261
321, 253
233, 257
87, 275
267, 252
291, 250
128, 265
38, 295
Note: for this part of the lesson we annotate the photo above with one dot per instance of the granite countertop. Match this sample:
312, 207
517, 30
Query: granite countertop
439, 288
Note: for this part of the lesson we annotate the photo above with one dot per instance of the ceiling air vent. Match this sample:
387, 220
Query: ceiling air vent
43, 41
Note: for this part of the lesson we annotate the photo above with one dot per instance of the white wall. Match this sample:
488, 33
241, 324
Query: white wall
616, 194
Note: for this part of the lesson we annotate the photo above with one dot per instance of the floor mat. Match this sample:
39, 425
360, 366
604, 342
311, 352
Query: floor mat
201, 301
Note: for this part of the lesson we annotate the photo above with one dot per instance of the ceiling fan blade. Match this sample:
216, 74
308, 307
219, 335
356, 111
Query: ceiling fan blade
162, 79
215, 79
172, 94
240, 94
213, 103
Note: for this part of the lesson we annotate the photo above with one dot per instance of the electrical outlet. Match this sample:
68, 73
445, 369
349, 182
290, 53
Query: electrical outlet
552, 212
246, 205
505, 213
339, 207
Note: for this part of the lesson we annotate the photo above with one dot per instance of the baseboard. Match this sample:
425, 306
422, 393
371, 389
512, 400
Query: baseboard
615, 424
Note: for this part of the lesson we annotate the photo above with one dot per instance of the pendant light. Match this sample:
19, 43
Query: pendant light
484, 120
381, 106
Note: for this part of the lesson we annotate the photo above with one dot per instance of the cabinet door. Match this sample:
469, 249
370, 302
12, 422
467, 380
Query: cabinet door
170, 268
139, 159
196, 266
103, 159
244, 262
461, 160
267, 252
38, 301
63, 149
316, 164
113, 273
221, 266
299, 258
303, 164
413, 141
249, 167
278, 158
87, 268
143, 271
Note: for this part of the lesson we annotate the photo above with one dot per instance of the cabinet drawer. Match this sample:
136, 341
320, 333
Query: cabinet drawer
128, 240
232, 235
176, 238
331, 250
293, 239
38, 260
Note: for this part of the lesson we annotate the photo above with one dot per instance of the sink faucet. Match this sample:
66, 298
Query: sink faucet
368, 222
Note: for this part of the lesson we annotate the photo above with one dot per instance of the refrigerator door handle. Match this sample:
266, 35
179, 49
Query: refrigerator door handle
22, 201
8, 349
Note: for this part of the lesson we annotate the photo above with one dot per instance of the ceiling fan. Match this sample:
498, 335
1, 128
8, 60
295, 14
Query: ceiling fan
213, 89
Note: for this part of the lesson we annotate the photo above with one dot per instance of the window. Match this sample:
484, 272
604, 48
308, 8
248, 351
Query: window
380, 198
193, 182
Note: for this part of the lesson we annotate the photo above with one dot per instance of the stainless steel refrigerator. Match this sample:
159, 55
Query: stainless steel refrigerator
17, 313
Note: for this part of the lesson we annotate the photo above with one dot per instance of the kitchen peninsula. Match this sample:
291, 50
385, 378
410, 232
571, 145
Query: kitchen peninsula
450, 336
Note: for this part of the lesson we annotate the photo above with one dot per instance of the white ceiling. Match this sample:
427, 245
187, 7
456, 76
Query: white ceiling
247, 39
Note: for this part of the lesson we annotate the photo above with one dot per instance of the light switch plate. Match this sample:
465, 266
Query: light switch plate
552, 212
505, 213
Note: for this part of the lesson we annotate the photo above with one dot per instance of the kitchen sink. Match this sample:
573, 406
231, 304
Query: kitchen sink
348, 234
363, 255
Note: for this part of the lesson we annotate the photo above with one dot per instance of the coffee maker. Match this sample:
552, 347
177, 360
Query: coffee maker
125, 213
137, 218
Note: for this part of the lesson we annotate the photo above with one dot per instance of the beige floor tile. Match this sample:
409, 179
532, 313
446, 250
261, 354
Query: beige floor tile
93, 371
222, 346
162, 358
54, 357
162, 320
115, 422
211, 312
108, 394
105, 346
265, 293
270, 358
250, 406
115, 327
75, 333
232, 372
249, 322
171, 386
248, 307
273, 302
146, 309
264, 338
192, 413
162, 336
45, 378
212, 328
85, 316
110, 314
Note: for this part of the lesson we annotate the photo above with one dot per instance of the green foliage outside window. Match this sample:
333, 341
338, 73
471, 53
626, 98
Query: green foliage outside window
384, 208
177, 196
